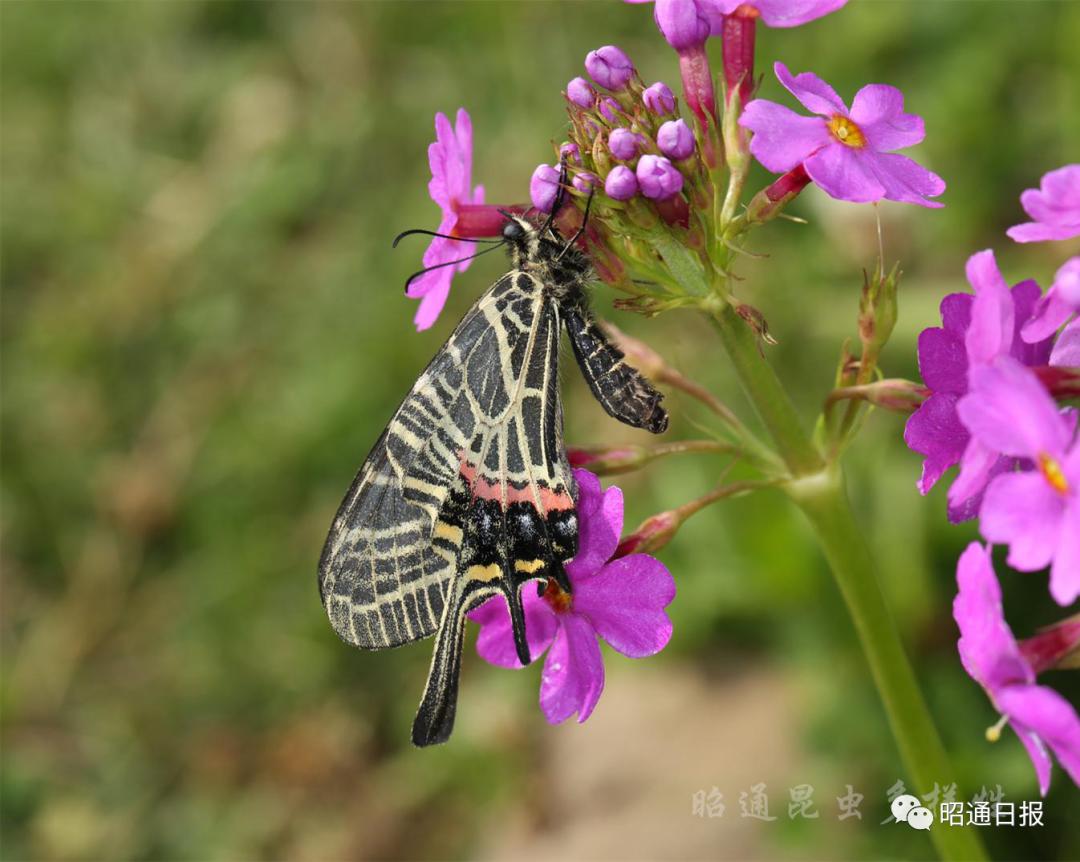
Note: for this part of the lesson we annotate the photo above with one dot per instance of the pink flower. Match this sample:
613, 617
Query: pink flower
450, 158
621, 601
1041, 717
847, 153
1054, 206
782, 13
975, 330
1036, 511
1062, 300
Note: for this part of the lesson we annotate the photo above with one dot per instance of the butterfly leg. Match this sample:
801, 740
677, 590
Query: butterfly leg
621, 389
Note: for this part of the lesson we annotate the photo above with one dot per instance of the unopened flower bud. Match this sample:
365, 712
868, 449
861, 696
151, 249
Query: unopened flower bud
681, 23
877, 308
623, 144
658, 177
621, 459
675, 140
653, 534
570, 152
584, 181
543, 187
580, 92
659, 99
610, 109
609, 67
769, 202
621, 184
1054, 647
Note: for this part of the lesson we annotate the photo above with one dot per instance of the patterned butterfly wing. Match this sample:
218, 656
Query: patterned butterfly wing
466, 495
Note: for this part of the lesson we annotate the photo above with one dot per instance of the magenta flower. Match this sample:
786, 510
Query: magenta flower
1041, 717
847, 153
621, 601
1036, 512
450, 158
659, 178
782, 13
1062, 300
975, 330
1054, 206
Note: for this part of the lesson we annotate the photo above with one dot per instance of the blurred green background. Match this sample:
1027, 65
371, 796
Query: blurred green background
204, 333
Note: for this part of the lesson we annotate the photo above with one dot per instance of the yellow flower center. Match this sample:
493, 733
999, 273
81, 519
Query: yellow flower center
846, 132
1053, 473
993, 734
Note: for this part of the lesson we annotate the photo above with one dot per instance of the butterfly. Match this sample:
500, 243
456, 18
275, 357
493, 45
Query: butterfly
468, 493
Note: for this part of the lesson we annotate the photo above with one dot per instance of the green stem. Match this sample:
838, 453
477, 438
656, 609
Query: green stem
818, 489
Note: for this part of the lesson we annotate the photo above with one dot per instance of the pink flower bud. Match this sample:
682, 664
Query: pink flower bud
659, 99
584, 181
621, 184
675, 140
623, 144
681, 23
658, 177
580, 92
543, 187
609, 67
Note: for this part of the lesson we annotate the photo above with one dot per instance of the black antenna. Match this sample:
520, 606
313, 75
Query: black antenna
428, 269
580, 230
560, 196
414, 231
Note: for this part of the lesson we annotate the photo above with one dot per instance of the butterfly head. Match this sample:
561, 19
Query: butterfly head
543, 251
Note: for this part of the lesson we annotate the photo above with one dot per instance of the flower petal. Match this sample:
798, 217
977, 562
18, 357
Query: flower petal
600, 521
625, 604
956, 312
1008, 409
987, 646
842, 175
943, 361
1024, 512
464, 137
782, 139
441, 156
904, 180
1042, 711
935, 431
495, 642
814, 94
1050, 313
976, 467
878, 110
1066, 353
992, 313
1067, 282
791, 13
573, 675
1065, 573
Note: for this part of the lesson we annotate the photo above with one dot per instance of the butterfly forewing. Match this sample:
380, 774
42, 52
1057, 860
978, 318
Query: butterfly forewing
468, 493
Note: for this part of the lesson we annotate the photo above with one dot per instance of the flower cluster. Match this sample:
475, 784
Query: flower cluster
993, 370
625, 139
